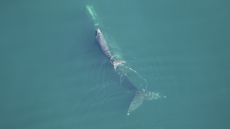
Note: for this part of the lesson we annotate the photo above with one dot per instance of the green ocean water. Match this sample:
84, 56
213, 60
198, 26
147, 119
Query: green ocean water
53, 74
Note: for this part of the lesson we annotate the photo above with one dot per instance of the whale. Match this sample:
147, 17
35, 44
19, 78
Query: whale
122, 69
141, 94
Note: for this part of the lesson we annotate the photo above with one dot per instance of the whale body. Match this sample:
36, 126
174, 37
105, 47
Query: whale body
105, 49
103, 44
140, 94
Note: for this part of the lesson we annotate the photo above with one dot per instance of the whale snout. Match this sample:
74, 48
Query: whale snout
98, 31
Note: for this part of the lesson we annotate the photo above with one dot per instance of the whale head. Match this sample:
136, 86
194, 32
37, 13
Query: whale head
98, 32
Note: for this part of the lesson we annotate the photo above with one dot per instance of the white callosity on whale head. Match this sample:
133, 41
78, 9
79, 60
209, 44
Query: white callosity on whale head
98, 31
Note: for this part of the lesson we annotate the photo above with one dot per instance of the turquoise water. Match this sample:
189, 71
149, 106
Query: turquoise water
53, 74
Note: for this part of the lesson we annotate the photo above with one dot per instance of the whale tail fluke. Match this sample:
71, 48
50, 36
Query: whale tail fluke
139, 98
137, 101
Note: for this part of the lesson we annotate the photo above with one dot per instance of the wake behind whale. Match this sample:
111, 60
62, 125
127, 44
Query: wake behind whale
123, 70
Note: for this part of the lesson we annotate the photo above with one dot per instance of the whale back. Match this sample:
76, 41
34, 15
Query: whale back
102, 43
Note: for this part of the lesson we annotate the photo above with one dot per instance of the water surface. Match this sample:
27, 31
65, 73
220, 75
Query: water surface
53, 74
